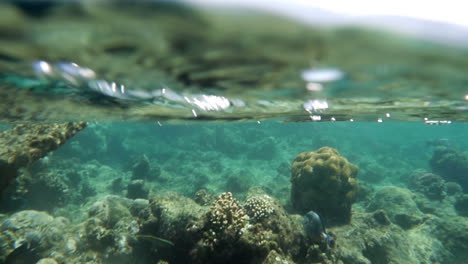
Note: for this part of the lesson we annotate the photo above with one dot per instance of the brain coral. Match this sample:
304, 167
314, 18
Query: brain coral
325, 182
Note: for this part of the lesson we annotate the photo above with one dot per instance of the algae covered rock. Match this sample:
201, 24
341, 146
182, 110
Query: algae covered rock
452, 231
451, 164
325, 182
461, 204
398, 204
370, 240
429, 184
25, 143
137, 189
178, 220
34, 233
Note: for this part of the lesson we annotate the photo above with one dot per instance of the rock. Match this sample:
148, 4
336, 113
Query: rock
397, 204
407, 221
25, 143
39, 230
440, 208
204, 197
325, 182
381, 217
453, 188
274, 257
137, 189
429, 184
117, 186
141, 169
366, 241
179, 219
47, 261
45, 190
450, 164
110, 210
461, 204
452, 232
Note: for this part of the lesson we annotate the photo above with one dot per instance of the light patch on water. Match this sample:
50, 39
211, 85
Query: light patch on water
80, 77
315, 105
322, 75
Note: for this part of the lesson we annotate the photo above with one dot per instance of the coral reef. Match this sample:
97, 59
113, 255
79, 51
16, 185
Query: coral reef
38, 231
25, 143
204, 197
137, 189
429, 184
179, 220
398, 204
230, 236
41, 187
389, 224
325, 182
171, 228
452, 232
259, 207
453, 188
141, 170
224, 221
373, 239
44, 191
450, 164
461, 205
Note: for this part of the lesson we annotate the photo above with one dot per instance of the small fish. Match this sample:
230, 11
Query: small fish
156, 241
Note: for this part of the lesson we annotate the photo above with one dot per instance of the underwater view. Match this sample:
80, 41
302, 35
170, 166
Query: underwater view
169, 132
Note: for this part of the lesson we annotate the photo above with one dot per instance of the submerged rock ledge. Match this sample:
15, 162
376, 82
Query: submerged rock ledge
25, 143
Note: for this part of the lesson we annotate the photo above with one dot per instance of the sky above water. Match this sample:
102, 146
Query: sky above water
448, 11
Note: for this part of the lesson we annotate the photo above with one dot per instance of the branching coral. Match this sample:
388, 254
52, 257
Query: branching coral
258, 208
225, 220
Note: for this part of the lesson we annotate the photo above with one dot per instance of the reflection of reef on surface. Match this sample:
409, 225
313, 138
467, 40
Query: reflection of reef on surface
160, 44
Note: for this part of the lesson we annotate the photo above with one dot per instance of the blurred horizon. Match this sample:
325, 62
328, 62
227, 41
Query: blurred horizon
438, 21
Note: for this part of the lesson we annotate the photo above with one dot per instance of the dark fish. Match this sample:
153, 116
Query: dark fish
315, 230
23, 254
313, 225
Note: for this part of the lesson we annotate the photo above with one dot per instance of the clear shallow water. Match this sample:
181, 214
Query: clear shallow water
143, 192
111, 164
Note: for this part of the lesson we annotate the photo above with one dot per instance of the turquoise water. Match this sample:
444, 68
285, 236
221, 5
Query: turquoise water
174, 165
350, 153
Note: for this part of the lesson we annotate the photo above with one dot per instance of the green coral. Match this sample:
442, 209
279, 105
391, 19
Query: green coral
325, 182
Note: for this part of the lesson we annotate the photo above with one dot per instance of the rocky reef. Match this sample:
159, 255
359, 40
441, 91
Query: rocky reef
450, 164
170, 228
25, 143
431, 185
325, 182
82, 206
